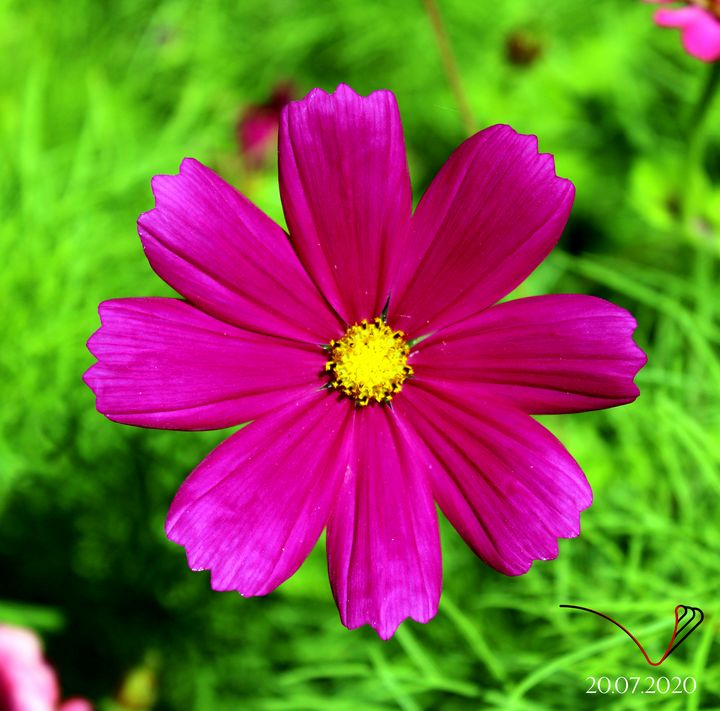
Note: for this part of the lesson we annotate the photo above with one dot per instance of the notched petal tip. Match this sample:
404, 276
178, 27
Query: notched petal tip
190, 165
88, 377
199, 563
161, 185
544, 160
639, 357
106, 309
635, 356
342, 93
314, 95
387, 631
386, 628
93, 344
94, 381
514, 571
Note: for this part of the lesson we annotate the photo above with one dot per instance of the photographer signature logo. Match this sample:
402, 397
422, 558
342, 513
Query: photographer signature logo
687, 620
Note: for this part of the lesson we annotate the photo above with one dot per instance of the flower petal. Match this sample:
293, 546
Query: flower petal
544, 354
700, 30
76, 705
492, 214
382, 538
346, 194
164, 363
506, 484
254, 508
219, 251
27, 681
677, 17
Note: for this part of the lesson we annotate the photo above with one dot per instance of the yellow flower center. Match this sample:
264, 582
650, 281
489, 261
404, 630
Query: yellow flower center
369, 362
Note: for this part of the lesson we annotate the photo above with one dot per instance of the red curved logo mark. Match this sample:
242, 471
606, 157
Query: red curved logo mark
682, 630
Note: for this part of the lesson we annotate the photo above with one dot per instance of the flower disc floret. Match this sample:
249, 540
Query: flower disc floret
369, 362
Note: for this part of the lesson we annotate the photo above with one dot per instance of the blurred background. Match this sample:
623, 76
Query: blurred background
98, 96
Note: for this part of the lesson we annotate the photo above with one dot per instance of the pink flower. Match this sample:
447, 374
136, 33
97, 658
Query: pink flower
75, 705
257, 128
325, 448
699, 22
27, 682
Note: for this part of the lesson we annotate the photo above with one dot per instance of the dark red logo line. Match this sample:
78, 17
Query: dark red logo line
681, 631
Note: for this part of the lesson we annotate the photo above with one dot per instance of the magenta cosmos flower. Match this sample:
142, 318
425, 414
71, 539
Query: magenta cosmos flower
27, 681
699, 22
366, 347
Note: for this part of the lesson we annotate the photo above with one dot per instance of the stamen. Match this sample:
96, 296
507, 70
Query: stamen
369, 362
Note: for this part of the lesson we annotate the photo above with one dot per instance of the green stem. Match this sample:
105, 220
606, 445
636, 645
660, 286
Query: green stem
450, 65
696, 142
692, 198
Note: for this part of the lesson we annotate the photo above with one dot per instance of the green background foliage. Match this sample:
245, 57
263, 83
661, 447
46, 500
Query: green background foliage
96, 97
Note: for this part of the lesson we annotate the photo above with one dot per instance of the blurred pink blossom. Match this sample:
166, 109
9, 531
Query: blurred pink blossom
699, 23
257, 128
75, 705
27, 681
